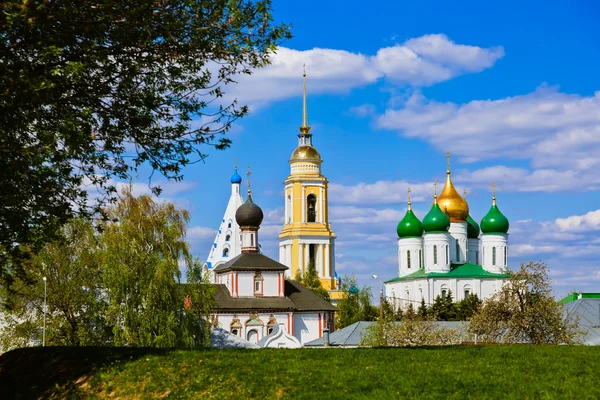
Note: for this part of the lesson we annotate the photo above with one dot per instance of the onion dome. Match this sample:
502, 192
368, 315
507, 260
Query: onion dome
353, 290
249, 214
436, 220
494, 221
452, 203
472, 228
306, 153
236, 178
409, 226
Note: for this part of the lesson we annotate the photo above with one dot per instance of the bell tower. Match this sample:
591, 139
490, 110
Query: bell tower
306, 237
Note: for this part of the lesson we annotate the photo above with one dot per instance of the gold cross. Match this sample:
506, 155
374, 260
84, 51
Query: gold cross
408, 195
304, 66
434, 188
494, 189
448, 157
465, 193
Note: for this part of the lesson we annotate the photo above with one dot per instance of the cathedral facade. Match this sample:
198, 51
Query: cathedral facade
448, 253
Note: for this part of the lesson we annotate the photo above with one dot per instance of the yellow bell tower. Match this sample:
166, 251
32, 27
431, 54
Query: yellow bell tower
306, 236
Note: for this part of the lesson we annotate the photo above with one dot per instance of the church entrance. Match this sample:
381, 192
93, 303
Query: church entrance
252, 336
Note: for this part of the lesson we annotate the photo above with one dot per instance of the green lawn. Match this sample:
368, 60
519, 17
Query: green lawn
521, 372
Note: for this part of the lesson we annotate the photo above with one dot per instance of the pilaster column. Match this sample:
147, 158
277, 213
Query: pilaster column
326, 269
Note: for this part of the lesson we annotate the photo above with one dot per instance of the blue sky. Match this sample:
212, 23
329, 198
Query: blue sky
512, 90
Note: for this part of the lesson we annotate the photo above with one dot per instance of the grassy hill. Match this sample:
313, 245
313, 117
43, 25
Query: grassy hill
544, 372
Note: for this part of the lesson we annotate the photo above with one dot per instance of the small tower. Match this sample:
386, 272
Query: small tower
227, 243
249, 217
306, 237
494, 238
457, 209
410, 242
436, 240
472, 238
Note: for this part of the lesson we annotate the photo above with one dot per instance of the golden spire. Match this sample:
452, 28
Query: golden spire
453, 204
493, 193
248, 175
304, 128
409, 204
435, 191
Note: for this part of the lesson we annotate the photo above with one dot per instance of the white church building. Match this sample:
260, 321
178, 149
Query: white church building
445, 253
253, 297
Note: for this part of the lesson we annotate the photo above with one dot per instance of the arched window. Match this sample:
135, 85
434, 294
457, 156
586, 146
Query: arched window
252, 336
435, 253
289, 209
477, 257
457, 251
408, 258
505, 256
258, 284
444, 290
271, 324
493, 256
420, 258
311, 208
227, 238
447, 253
467, 291
229, 224
225, 252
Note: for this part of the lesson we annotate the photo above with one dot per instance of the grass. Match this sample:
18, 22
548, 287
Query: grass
477, 372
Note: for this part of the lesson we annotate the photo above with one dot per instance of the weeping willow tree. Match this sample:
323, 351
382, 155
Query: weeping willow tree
143, 251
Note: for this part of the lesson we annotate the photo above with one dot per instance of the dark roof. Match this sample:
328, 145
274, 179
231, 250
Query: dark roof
249, 214
297, 298
250, 262
304, 298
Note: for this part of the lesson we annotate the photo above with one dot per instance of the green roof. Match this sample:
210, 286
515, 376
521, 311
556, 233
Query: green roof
456, 271
578, 295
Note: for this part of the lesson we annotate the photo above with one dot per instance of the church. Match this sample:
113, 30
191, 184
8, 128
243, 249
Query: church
253, 299
446, 254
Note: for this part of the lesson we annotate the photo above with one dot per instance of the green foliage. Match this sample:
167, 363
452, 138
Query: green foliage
143, 277
472, 372
121, 286
524, 310
355, 305
413, 330
443, 309
94, 89
75, 296
311, 280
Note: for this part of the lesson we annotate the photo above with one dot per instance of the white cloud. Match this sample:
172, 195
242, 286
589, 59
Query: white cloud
200, 233
580, 223
380, 192
421, 61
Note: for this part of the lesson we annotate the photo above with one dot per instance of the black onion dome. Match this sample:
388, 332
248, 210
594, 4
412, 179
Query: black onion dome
249, 214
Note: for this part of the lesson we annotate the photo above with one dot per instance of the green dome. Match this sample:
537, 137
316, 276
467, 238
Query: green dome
436, 220
472, 228
409, 226
494, 221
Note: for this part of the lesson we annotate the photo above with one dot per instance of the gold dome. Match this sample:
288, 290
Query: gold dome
452, 203
306, 153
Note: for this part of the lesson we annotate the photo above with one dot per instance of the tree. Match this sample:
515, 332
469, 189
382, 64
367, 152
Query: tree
141, 253
355, 304
94, 89
423, 310
311, 280
413, 330
524, 311
467, 307
75, 295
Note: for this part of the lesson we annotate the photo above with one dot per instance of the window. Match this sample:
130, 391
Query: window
252, 336
457, 251
251, 240
420, 258
227, 238
408, 259
235, 332
435, 253
289, 208
311, 208
477, 257
493, 256
467, 291
311, 254
505, 256
444, 292
229, 224
258, 284
225, 252
447, 253
269, 330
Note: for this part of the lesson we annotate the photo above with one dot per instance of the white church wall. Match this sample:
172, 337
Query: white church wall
473, 254
494, 252
409, 263
306, 326
224, 321
458, 231
437, 252
245, 284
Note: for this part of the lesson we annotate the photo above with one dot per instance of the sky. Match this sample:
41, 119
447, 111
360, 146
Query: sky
511, 89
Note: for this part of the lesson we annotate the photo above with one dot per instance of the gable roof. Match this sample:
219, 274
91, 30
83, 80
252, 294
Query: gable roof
466, 270
297, 298
250, 262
